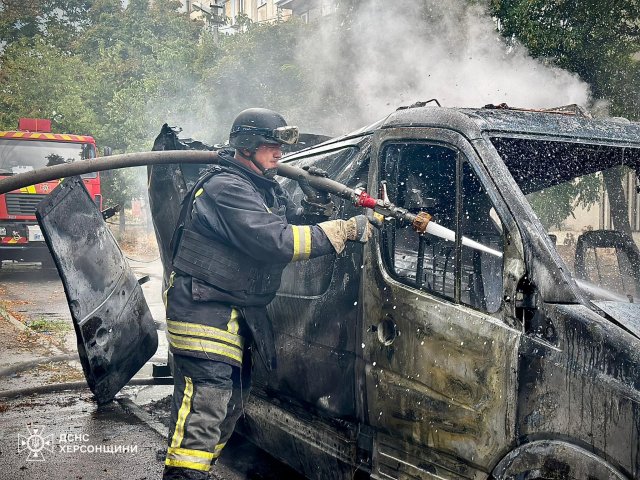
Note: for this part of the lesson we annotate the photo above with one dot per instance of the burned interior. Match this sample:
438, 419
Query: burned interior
586, 197
423, 177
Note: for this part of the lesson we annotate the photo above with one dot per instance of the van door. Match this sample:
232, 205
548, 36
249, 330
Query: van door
114, 327
439, 348
315, 346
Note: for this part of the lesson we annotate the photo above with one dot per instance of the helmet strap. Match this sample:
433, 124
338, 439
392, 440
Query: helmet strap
252, 159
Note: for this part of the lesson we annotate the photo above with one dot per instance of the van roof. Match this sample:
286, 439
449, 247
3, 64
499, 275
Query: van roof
473, 122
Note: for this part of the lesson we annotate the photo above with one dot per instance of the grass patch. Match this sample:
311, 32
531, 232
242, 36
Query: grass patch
54, 327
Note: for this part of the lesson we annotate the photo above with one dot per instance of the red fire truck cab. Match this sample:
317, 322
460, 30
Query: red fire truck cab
30, 147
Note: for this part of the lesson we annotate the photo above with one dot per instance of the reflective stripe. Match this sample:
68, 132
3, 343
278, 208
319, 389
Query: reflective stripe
218, 449
307, 242
233, 325
199, 192
166, 292
301, 242
206, 346
296, 243
185, 408
174, 452
47, 136
186, 458
190, 465
197, 330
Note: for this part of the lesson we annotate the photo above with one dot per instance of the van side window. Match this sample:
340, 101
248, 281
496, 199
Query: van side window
481, 270
423, 177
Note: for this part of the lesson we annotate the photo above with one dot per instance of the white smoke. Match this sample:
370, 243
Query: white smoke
396, 53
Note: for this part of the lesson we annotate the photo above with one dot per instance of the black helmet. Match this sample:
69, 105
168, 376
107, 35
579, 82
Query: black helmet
259, 126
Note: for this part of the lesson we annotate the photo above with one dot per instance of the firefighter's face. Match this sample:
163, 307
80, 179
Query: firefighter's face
268, 156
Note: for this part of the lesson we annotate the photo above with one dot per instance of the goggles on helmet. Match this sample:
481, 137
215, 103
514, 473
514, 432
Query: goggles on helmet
288, 135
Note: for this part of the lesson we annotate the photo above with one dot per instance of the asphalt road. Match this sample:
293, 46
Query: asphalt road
66, 435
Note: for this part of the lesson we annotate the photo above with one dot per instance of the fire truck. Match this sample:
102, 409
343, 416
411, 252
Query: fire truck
30, 147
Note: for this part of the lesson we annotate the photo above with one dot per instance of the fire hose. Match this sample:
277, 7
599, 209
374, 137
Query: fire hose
420, 222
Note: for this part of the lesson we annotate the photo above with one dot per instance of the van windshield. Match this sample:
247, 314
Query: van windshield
587, 197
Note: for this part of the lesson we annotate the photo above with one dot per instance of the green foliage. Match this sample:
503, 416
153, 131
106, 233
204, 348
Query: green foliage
554, 205
118, 73
96, 68
123, 185
256, 68
597, 40
59, 20
40, 80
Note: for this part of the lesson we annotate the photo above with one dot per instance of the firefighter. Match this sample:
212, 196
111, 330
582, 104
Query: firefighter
232, 242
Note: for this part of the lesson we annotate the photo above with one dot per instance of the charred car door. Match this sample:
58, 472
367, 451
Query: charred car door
305, 411
316, 348
115, 331
440, 354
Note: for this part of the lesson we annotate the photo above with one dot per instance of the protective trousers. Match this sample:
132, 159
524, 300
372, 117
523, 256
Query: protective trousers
208, 399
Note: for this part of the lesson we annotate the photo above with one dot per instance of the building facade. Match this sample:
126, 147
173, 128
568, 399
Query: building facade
227, 15
309, 10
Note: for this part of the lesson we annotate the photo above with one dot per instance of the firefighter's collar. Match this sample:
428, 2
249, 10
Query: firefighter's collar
226, 159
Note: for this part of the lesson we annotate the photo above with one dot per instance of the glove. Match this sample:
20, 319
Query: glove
359, 229
356, 229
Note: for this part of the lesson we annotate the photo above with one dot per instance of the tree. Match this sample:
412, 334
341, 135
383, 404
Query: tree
256, 68
96, 68
597, 40
40, 80
59, 20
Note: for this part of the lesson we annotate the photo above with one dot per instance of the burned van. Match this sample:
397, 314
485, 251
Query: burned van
416, 356
505, 346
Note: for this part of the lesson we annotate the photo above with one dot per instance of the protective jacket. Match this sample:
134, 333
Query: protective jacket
231, 245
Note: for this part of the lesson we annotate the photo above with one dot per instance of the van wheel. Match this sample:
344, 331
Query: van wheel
553, 460
534, 475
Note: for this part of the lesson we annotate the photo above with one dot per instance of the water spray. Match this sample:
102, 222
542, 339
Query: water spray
421, 222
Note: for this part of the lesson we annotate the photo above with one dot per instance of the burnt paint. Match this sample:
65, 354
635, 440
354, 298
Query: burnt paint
167, 186
447, 392
115, 331
584, 389
315, 319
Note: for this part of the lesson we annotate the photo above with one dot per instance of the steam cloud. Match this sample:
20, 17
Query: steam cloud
400, 52
384, 55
